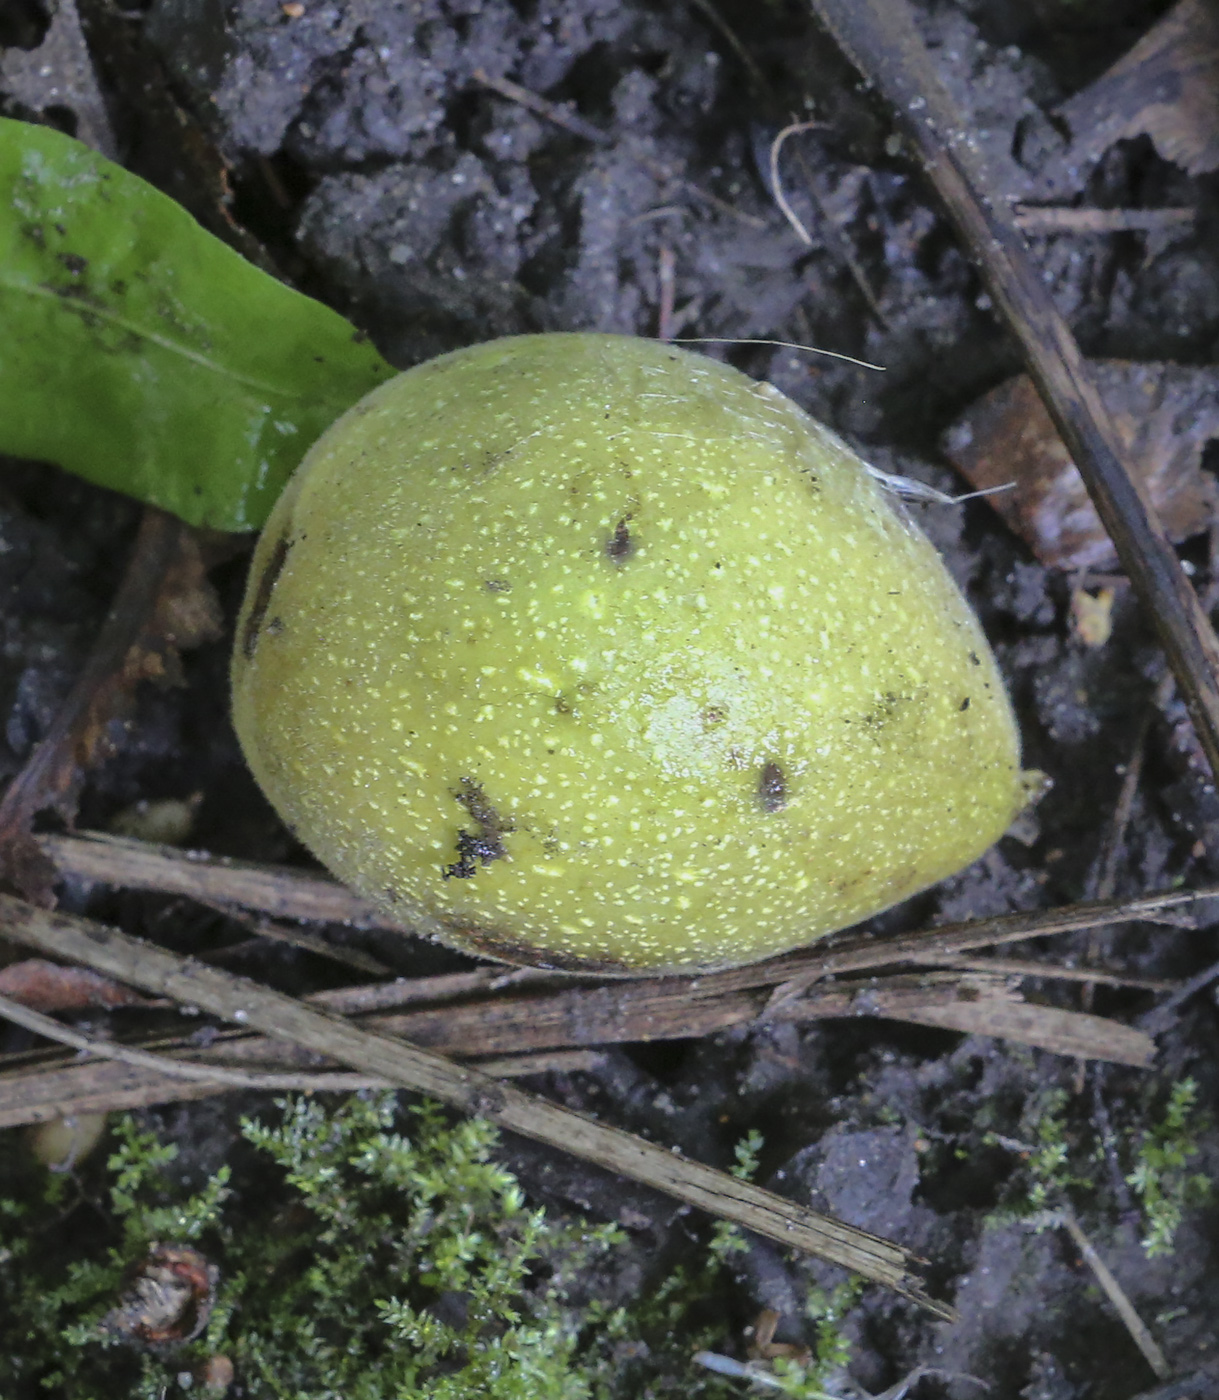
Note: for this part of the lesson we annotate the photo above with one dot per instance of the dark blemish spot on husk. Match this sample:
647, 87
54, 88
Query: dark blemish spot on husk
473, 851
262, 597
964, 704
772, 788
479, 847
619, 547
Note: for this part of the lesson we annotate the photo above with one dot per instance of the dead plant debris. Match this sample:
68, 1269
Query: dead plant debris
1166, 87
1166, 414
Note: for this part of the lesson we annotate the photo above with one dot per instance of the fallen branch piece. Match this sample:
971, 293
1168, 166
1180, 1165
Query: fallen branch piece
538, 1030
78, 734
48, 986
795, 972
1038, 220
175, 1068
1054, 972
246, 1003
273, 890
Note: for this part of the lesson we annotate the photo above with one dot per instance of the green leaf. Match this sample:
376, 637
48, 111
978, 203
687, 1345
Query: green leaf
145, 355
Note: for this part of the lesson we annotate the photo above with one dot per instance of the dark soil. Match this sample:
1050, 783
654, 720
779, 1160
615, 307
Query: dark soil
377, 173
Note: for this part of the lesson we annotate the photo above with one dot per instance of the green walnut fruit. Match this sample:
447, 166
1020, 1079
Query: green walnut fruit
591, 653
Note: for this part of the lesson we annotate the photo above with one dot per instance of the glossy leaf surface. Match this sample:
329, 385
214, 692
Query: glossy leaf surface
143, 354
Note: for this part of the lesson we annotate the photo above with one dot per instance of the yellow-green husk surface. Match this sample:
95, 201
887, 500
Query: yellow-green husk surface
589, 652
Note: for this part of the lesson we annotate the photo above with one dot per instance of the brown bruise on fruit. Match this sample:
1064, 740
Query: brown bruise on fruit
772, 788
267, 579
619, 547
717, 745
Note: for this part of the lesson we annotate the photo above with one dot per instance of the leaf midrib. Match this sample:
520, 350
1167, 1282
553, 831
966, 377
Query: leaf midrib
172, 347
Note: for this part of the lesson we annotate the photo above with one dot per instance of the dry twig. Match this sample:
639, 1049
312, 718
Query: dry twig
247, 1003
881, 39
551, 111
1113, 1290
666, 276
272, 890
177, 1068
552, 1020
291, 894
1052, 972
278, 932
211, 1077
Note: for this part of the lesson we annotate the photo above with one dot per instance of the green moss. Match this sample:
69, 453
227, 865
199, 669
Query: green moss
1161, 1177
728, 1239
1056, 1165
367, 1252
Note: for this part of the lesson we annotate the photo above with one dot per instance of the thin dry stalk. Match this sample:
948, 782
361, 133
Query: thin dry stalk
1040, 219
1113, 1290
534, 102
795, 972
214, 1077
52, 774
836, 237
557, 1017
776, 182
276, 932
176, 1068
272, 890
1113, 849
1053, 972
666, 276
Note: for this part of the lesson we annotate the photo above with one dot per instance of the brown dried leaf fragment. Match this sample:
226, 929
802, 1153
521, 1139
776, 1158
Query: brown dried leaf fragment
183, 161
1166, 87
1164, 413
1092, 615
